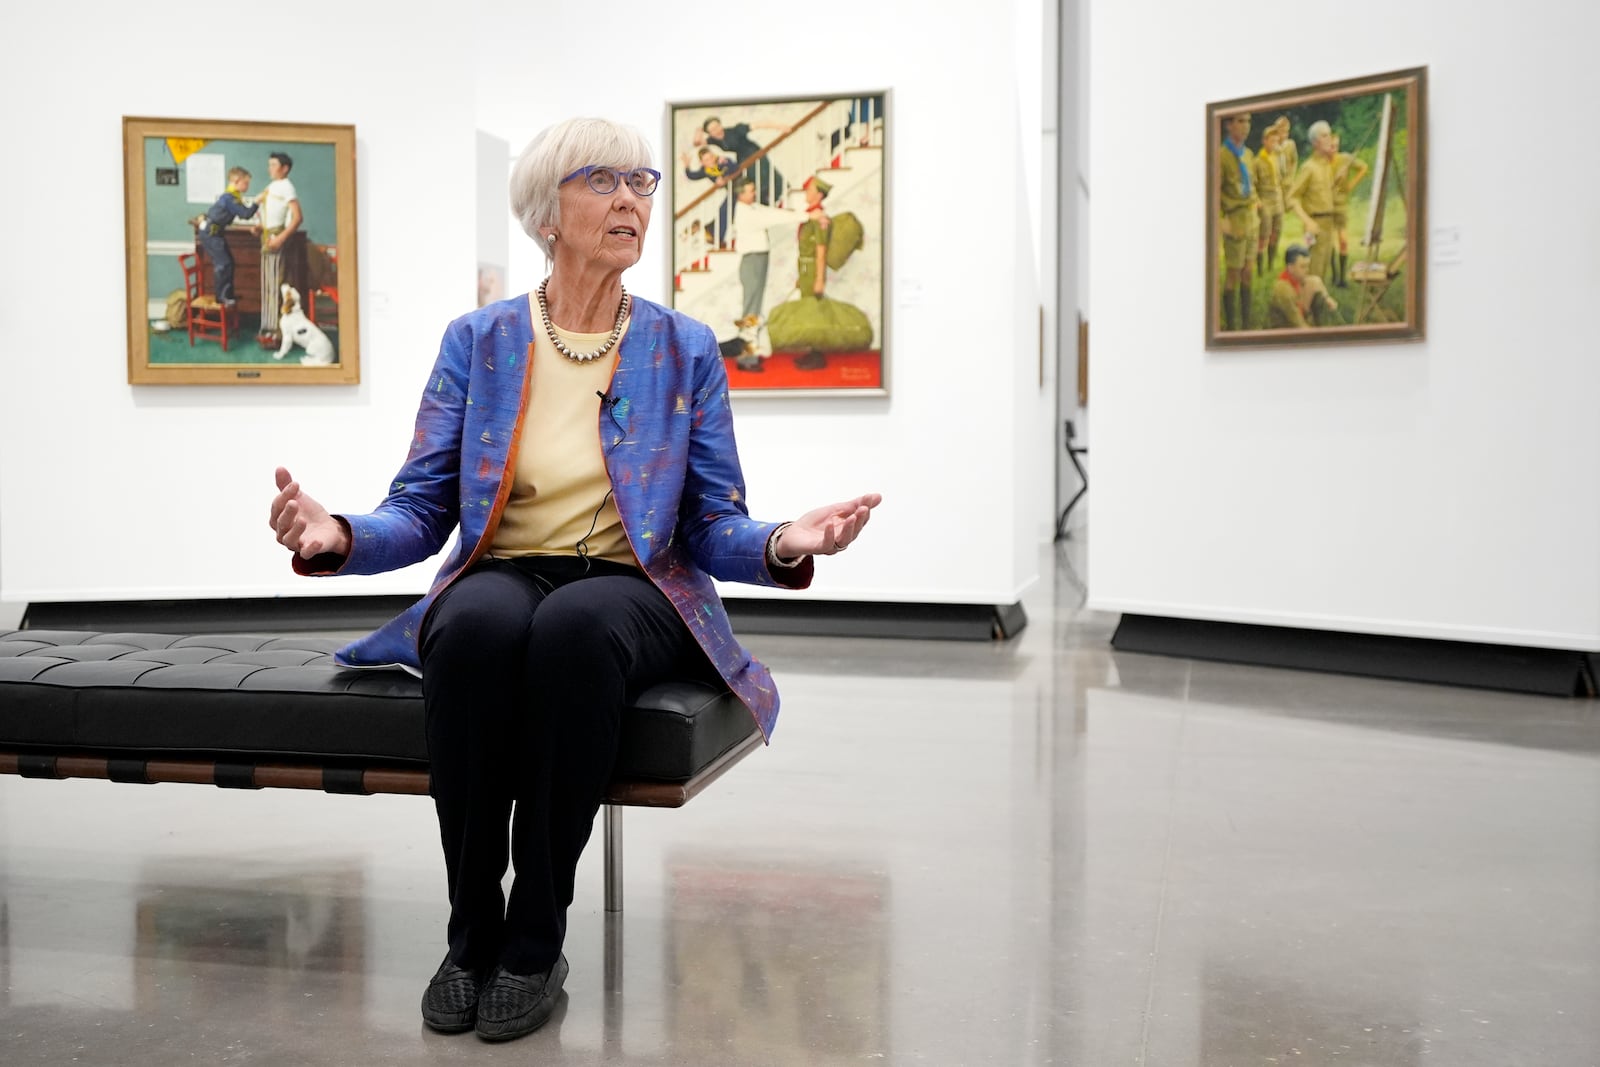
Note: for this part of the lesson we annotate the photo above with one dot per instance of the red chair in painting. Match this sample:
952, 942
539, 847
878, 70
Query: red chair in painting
207, 318
325, 272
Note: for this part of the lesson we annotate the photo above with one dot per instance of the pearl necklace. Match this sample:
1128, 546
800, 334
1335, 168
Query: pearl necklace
583, 357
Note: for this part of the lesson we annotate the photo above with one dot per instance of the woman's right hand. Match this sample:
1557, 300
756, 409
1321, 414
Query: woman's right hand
302, 525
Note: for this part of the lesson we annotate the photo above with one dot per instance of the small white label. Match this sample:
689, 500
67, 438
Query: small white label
910, 293
1447, 244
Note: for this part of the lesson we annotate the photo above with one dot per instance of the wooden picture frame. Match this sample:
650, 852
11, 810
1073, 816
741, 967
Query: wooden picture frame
177, 184
1337, 183
806, 178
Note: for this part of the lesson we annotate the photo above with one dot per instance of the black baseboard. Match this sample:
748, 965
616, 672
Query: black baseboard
238, 615
845, 618
831, 618
1545, 671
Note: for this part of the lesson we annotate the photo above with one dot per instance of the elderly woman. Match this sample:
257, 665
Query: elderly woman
583, 442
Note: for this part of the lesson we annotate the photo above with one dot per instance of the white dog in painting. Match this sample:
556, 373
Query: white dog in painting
299, 330
751, 345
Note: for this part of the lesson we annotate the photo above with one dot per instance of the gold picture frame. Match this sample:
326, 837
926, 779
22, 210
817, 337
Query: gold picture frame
1334, 178
190, 233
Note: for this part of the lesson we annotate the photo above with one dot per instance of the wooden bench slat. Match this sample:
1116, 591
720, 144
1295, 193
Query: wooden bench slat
642, 794
391, 780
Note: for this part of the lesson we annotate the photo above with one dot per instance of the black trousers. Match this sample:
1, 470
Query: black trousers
526, 667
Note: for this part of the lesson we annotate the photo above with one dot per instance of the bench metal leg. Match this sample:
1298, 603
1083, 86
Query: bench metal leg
613, 846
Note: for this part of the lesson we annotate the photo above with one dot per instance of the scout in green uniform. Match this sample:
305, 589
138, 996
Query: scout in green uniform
1269, 188
1240, 226
1299, 299
1347, 174
1310, 196
814, 239
814, 323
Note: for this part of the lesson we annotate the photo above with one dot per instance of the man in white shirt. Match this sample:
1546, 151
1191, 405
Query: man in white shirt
751, 221
280, 217
751, 227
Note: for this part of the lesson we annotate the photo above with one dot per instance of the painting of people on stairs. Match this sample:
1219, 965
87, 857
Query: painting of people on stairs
778, 222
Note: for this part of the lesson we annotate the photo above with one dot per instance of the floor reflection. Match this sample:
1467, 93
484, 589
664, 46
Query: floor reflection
1553, 723
280, 926
790, 965
177, 957
1250, 1017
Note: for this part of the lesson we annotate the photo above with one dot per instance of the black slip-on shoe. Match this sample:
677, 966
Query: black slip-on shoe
450, 1004
512, 1005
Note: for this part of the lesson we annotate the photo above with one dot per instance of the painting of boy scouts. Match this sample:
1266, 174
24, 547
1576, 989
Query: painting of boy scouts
778, 238
1315, 209
234, 250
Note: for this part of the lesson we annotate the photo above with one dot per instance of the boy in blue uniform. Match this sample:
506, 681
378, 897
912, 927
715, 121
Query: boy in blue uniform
208, 230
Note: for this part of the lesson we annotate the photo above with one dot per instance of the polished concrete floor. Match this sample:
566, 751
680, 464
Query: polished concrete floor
1034, 852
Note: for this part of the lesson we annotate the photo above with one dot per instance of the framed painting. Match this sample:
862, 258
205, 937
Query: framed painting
241, 249
779, 238
1316, 207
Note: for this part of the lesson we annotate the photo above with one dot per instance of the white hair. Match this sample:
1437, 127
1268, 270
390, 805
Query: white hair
558, 151
1320, 128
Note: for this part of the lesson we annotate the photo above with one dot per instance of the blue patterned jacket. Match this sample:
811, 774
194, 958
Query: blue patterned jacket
670, 454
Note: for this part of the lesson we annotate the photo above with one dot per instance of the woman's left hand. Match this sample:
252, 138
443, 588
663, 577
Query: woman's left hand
827, 530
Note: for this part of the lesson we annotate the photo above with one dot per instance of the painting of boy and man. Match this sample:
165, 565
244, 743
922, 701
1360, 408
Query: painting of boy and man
778, 225
235, 271
1315, 209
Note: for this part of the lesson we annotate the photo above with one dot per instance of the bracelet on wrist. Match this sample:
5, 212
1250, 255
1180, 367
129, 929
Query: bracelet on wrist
773, 559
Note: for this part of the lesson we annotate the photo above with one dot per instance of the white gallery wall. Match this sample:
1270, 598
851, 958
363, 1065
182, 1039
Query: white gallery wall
959, 448
1442, 489
108, 491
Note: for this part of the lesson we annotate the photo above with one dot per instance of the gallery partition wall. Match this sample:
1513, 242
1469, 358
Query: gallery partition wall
1426, 483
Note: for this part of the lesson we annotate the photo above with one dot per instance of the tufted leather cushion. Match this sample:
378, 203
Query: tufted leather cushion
227, 696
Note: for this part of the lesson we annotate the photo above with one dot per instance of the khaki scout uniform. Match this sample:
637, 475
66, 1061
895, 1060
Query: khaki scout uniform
1269, 188
812, 234
1344, 165
1241, 220
1288, 160
1283, 308
1312, 191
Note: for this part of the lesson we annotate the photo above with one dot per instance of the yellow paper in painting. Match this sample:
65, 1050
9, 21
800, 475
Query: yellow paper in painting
184, 147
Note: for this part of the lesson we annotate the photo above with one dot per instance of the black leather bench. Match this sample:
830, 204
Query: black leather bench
248, 711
